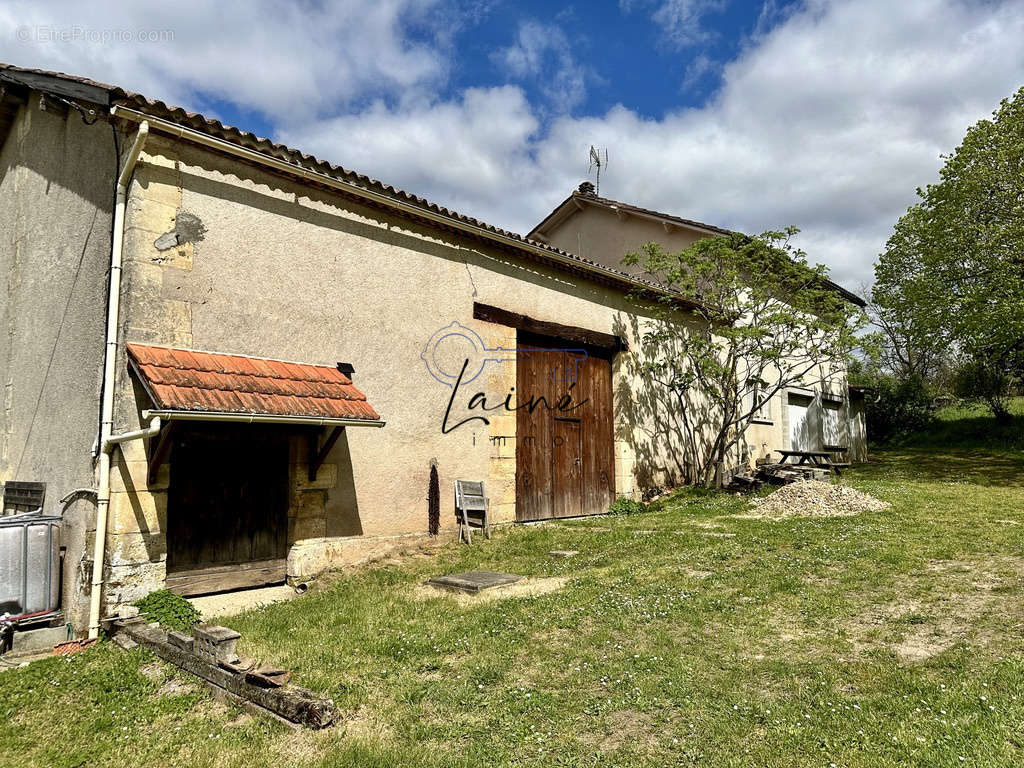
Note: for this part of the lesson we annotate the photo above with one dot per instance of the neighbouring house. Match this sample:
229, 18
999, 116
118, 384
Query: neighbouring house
243, 362
810, 418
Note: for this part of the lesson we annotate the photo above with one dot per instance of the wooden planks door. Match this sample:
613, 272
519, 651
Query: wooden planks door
566, 468
565, 462
227, 511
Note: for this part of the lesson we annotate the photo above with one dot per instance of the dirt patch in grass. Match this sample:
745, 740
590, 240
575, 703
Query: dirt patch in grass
365, 724
300, 746
927, 622
621, 727
528, 587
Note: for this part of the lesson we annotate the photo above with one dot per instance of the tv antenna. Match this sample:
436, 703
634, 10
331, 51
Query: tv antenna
597, 161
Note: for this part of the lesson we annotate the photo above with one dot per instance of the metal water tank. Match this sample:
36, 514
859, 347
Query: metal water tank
29, 563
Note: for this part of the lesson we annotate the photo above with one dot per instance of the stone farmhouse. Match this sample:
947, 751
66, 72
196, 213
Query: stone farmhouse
231, 364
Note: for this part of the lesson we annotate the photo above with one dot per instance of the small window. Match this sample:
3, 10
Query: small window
761, 402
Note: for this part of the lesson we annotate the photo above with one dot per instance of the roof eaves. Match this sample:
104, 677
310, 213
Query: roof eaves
117, 98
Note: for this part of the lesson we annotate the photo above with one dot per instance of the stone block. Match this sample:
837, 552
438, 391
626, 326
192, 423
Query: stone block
131, 582
308, 528
326, 477
131, 475
127, 548
308, 505
146, 219
142, 512
503, 449
503, 513
309, 558
124, 642
168, 337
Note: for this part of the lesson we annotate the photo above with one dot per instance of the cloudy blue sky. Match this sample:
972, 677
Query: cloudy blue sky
751, 114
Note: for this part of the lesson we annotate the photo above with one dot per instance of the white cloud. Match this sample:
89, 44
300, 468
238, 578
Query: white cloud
829, 118
680, 22
277, 57
542, 52
472, 154
701, 65
829, 122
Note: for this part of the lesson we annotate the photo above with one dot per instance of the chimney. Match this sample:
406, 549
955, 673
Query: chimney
586, 188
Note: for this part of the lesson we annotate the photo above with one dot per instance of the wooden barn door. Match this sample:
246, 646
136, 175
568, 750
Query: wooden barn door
227, 510
565, 464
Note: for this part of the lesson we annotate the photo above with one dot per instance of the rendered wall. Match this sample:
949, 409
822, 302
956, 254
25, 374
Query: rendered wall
275, 269
56, 190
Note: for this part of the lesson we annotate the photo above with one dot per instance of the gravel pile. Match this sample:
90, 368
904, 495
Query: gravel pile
813, 498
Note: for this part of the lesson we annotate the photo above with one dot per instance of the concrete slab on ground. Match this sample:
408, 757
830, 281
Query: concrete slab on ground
33, 641
473, 581
229, 603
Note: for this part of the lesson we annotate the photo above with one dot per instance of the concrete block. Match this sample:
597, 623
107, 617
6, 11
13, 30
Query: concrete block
125, 642
34, 640
214, 644
180, 640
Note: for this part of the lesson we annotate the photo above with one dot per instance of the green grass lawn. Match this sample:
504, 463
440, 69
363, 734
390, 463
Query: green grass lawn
683, 636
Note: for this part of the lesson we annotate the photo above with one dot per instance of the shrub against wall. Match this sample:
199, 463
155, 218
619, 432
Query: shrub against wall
897, 408
171, 610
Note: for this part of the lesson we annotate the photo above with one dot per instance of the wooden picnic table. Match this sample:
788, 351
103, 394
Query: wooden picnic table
821, 459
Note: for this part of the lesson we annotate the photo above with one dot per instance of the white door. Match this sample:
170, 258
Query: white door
831, 424
801, 434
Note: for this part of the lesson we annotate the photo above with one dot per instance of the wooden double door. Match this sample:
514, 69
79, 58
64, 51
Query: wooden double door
227, 508
565, 462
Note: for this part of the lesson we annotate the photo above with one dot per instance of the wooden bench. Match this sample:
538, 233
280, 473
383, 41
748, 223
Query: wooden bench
471, 509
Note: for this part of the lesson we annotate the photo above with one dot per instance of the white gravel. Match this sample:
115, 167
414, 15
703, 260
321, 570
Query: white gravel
813, 498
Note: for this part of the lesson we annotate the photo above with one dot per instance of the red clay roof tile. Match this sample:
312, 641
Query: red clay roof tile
187, 380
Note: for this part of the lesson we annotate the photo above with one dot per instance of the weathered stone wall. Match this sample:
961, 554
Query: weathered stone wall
56, 198
277, 269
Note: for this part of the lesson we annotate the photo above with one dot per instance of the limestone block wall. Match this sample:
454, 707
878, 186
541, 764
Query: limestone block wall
222, 256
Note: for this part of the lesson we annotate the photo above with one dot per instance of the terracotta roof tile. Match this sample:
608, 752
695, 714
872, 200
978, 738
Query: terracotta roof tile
243, 138
187, 380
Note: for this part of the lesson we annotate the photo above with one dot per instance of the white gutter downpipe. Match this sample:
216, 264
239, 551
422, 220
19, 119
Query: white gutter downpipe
107, 440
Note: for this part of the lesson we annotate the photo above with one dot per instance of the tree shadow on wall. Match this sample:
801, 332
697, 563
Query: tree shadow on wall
669, 428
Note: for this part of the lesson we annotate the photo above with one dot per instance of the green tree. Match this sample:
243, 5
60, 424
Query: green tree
761, 320
954, 267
